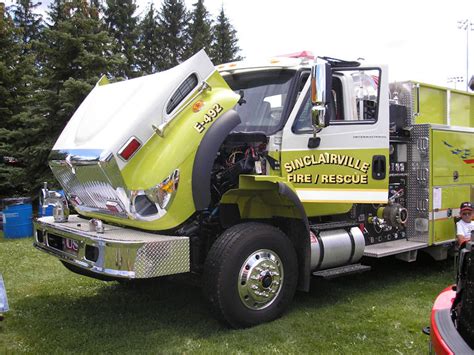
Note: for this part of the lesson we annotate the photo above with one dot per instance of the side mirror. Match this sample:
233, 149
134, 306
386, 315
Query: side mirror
321, 85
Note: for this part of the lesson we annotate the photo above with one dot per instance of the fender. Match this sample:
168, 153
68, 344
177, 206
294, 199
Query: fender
205, 155
265, 197
304, 252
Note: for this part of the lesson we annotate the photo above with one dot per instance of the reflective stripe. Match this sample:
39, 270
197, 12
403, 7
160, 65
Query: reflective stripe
443, 214
349, 196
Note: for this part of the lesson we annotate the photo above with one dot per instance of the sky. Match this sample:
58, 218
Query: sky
417, 39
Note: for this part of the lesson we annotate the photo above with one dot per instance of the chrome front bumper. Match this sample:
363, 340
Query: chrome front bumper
121, 253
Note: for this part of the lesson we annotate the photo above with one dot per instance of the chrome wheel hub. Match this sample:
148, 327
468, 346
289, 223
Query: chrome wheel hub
260, 279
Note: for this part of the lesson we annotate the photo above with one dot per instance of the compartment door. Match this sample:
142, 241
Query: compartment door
350, 165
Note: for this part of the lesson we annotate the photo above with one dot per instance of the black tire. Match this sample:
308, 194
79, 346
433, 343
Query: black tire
250, 255
466, 308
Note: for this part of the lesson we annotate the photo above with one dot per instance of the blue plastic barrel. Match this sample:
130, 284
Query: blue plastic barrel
17, 217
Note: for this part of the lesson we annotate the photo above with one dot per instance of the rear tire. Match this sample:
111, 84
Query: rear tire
250, 275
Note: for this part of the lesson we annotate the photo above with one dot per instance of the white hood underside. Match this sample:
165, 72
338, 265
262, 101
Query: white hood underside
113, 113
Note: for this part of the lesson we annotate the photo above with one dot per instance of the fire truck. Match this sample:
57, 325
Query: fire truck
255, 177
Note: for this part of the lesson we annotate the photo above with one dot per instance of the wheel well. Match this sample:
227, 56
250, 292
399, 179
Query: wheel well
295, 230
274, 204
210, 144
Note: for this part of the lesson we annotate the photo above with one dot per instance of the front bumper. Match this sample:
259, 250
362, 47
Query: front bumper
121, 253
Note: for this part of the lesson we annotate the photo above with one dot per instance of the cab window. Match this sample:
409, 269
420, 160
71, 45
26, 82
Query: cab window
264, 96
354, 99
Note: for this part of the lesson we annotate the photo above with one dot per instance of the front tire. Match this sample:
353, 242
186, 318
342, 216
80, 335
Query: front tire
250, 274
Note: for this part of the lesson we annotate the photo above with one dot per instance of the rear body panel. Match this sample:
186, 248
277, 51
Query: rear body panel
441, 177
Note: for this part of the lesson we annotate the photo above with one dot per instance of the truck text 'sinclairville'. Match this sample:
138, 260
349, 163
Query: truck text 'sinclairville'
256, 177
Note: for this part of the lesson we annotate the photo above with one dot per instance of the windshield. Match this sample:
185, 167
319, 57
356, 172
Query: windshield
264, 95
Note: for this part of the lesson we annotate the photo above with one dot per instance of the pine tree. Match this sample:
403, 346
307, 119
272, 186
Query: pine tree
9, 55
172, 21
199, 30
19, 126
29, 25
149, 43
225, 47
75, 52
122, 25
27, 21
57, 12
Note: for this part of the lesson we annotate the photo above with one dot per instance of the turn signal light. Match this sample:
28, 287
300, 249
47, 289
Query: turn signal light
198, 105
130, 148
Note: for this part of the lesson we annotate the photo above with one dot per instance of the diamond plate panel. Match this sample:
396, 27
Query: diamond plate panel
418, 203
162, 258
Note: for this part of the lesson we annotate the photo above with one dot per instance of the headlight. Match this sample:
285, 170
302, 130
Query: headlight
152, 203
164, 192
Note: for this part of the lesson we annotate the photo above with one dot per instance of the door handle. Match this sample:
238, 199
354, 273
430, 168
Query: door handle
378, 167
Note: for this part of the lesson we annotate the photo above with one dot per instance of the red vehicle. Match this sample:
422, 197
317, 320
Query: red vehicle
452, 316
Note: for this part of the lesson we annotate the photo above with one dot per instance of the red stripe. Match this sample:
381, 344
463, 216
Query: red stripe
469, 161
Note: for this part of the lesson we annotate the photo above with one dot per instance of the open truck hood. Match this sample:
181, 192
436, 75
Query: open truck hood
112, 113
88, 158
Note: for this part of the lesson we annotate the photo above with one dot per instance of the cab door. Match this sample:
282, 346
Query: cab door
349, 162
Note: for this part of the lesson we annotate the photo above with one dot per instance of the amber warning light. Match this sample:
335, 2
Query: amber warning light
129, 148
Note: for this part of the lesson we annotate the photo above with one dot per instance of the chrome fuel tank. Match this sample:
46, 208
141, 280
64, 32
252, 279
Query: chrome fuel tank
336, 247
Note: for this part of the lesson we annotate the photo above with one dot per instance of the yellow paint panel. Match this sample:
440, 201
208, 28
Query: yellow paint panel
462, 109
432, 105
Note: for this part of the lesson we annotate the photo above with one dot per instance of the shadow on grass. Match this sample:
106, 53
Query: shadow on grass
165, 314
117, 317
386, 272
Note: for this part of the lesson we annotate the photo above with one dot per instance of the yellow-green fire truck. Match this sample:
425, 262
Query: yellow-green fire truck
256, 176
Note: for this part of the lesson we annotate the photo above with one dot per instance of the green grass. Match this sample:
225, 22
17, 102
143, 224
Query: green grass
54, 311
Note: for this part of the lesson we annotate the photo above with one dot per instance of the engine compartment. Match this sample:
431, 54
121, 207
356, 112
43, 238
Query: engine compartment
241, 153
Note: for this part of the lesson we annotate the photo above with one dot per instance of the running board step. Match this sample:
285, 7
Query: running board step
393, 247
342, 271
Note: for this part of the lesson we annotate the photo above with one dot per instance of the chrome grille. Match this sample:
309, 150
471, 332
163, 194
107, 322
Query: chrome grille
89, 183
